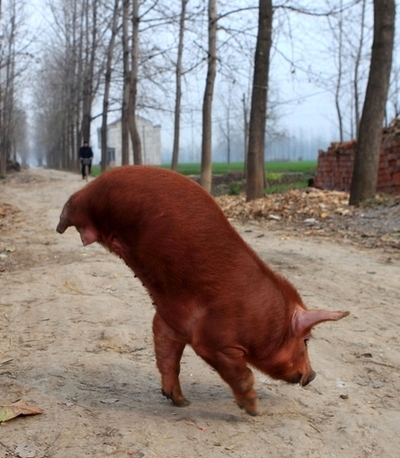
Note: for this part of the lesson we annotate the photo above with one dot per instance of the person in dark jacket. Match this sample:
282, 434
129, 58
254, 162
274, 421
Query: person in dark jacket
85, 157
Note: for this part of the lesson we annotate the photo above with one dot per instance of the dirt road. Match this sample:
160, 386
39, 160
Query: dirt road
76, 341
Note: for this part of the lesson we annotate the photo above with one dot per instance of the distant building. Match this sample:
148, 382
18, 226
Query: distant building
150, 136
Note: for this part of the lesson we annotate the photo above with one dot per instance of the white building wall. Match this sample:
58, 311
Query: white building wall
150, 137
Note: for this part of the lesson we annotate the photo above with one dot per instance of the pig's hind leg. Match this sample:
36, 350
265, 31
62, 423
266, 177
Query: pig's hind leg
231, 365
169, 347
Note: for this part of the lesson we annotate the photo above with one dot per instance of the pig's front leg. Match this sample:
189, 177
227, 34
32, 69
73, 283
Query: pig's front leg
169, 347
231, 365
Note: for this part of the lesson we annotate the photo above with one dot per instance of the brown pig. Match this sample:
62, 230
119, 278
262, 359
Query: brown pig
209, 288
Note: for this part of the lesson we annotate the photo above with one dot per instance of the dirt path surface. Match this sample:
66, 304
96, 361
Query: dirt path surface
76, 341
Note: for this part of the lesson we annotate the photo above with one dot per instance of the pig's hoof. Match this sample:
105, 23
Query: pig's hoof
180, 402
250, 406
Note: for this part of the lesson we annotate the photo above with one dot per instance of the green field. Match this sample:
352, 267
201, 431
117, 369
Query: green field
221, 168
281, 176
224, 168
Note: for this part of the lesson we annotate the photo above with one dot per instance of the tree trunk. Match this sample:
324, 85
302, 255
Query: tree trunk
8, 108
206, 146
255, 161
245, 134
357, 68
107, 83
178, 92
2, 155
337, 30
126, 89
339, 79
75, 77
136, 143
365, 174
90, 51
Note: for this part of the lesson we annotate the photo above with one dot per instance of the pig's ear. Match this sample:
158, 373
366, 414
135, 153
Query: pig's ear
304, 320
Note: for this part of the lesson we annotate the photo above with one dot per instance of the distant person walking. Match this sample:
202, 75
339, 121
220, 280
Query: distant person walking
85, 156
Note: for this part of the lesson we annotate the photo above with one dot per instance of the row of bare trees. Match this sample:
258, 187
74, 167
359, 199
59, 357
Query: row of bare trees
113, 45
14, 61
68, 81
146, 55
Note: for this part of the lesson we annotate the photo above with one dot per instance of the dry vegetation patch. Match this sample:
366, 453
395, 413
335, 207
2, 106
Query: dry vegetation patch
314, 212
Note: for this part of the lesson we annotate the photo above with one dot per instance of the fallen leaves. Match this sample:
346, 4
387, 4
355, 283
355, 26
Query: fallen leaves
312, 212
293, 205
73, 288
7, 412
7, 209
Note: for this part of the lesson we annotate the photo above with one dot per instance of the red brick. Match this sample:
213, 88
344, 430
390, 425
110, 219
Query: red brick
396, 178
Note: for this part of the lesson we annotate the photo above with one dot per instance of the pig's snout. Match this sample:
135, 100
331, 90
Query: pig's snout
62, 226
303, 379
64, 222
309, 379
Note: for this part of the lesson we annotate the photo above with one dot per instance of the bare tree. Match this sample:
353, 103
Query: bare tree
394, 96
127, 82
346, 53
20, 138
339, 39
107, 83
365, 174
68, 80
357, 64
393, 105
225, 122
338, 32
8, 108
136, 142
206, 146
61, 77
3, 157
14, 43
178, 87
75, 80
255, 161
91, 43
245, 132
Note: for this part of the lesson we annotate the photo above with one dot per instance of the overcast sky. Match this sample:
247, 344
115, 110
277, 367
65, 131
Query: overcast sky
305, 108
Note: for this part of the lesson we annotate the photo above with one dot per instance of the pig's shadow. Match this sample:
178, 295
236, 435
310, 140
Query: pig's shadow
139, 390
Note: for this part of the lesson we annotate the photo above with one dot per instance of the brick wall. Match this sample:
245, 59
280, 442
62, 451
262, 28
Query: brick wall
335, 166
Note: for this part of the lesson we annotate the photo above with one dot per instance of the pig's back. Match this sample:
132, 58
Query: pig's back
174, 235
147, 199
